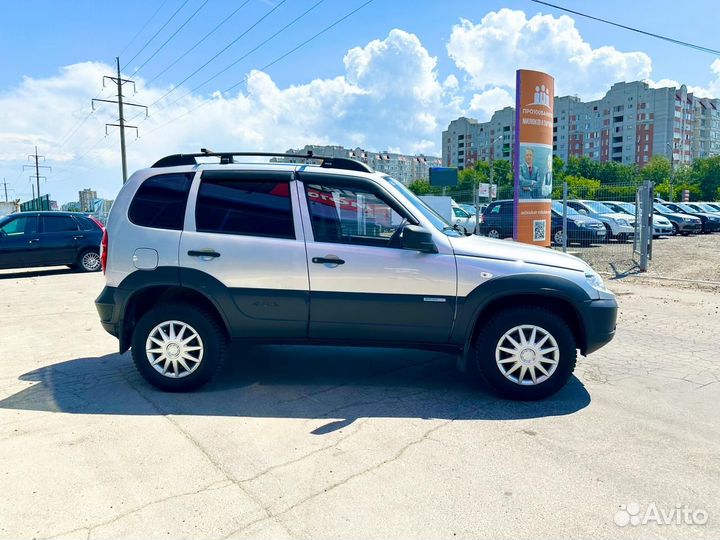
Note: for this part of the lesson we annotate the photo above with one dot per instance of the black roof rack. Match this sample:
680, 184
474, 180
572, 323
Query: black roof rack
348, 164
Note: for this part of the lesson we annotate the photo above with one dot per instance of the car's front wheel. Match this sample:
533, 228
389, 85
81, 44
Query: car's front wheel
525, 353
493, 233
558, 236
178, 347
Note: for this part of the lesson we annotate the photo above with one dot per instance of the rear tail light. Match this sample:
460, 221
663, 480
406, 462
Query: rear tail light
104, 250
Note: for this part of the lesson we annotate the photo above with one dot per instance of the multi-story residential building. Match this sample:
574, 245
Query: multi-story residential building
629, 125
403, 167
466, 140
87, 197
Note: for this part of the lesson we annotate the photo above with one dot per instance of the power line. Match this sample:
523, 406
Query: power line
211, 32
144, 26
296, 19
651, 34
171, 36
64, 170
278, 59
219, 53
156, 33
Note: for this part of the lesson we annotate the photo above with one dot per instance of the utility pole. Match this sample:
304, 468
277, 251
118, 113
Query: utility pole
5, 185
37, 176
119, 82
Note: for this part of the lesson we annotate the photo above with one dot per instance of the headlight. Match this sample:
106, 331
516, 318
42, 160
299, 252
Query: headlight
622, 222
688, 220
581, 224
594, 279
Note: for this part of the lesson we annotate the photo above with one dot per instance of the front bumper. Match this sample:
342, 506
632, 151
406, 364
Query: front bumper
689, 227
599, 319
659, 230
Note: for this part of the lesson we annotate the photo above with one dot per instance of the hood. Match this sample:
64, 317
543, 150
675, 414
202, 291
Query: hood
678, 215
617, 215
480, 246
579, 218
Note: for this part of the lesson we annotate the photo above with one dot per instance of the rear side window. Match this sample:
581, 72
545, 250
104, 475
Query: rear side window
160, 202
244, 207
86, 224
55, 224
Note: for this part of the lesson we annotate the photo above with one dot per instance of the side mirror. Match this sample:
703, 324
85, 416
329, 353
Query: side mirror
418, 239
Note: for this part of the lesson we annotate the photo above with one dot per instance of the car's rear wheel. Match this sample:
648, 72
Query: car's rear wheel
558, 236
177, 347
525, 353
88, 261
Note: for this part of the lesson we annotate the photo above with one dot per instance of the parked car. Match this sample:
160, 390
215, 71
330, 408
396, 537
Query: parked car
198, 254
710, 221
715, 206
704, 207
661, 225
618, 225
581, 229
50, 239
451, 212
683, 224
497, 219
470, 208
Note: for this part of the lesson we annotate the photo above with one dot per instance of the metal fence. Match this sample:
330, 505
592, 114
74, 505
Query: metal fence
609, 226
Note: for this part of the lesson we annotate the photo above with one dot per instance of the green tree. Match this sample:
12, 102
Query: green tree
706, 175
657, 170
420, 187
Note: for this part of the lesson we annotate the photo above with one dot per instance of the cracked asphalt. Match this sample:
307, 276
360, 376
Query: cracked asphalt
293, 442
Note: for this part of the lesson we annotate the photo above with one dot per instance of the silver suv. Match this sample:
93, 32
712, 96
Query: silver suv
197, 254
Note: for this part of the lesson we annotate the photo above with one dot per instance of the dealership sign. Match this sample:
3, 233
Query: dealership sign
532, 159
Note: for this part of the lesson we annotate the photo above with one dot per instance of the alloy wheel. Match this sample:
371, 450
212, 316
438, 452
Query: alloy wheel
90, 261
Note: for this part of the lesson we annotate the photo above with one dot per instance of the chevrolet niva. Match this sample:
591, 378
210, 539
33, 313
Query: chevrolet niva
316, 250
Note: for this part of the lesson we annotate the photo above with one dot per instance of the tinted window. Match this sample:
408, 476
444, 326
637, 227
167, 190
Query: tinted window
86, 224
54, 224
160, 202
20, 225
351, 215
244, 207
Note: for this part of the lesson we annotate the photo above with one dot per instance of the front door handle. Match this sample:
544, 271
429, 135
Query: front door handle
204, 254
33, 240
78, 237
330, 259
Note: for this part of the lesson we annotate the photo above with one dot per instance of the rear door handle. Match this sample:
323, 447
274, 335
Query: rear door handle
210, 253
330, 259
78, 237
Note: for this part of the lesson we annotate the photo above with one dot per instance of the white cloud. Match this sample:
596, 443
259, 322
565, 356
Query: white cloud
484, 104
389, 97
503, 41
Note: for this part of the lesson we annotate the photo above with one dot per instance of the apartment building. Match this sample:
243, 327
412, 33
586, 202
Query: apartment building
629, 125
403, 167
87, 196
466, 140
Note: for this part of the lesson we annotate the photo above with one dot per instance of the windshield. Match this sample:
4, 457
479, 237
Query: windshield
558, 207
706, 207
687, 208
436, 219
662, 208
628, 208
598, 208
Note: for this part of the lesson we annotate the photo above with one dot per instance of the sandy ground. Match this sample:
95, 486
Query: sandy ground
295, 442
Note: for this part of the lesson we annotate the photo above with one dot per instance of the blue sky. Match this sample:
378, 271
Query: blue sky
362, 98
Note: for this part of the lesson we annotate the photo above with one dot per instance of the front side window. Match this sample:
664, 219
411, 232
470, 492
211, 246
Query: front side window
352, 215
245, 207
56, 224
19, 226
160, 202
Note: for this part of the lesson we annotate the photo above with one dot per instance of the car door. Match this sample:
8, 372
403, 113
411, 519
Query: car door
59, 237
363, 285
506, 218
242, 245
19, 239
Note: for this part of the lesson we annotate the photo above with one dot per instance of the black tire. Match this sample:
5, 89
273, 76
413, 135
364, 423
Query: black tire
555, 240
88, 261
494, 233
623, 238
486, 368
214, 342
609, 234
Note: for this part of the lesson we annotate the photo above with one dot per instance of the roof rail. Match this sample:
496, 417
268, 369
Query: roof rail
176, 160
